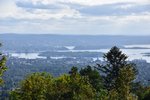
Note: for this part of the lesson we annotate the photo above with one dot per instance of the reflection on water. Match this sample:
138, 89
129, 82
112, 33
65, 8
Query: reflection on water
138, 46
70, 47
98, 58
134, 53
27, 55
131, 53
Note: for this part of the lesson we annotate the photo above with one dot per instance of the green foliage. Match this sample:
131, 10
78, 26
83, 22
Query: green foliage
34, 87
43, 87
119, 74
123, 82
142, 92
115, 60
74, 71
75, 88
138, 89
93, 76
146, 94
123, 85
2, 66
87, 84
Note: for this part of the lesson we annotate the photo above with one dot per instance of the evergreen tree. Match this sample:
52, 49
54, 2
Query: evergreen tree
115, 60
74, 71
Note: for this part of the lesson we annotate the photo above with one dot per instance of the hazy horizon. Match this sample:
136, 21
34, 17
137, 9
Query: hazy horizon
73, 34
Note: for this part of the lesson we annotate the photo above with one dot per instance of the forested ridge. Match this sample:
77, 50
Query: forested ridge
112, 80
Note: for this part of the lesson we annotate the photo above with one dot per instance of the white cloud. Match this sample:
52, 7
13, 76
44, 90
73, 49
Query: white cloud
10, 9
7, 8
102, 2
70, 20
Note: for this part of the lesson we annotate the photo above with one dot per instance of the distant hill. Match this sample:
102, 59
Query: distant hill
32, 42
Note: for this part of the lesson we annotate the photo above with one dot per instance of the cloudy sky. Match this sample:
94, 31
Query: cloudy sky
103, 17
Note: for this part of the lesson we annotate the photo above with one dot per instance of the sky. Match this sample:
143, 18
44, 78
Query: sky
91, 17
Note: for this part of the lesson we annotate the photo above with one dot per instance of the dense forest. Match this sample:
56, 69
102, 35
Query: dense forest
112, 80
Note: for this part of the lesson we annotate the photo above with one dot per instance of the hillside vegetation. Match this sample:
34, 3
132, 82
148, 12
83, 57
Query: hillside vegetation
112, 80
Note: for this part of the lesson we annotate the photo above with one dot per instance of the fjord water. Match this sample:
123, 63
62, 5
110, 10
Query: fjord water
31, 46
131, 53
27, 55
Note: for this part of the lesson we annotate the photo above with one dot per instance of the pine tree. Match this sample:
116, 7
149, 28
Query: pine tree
115, 60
